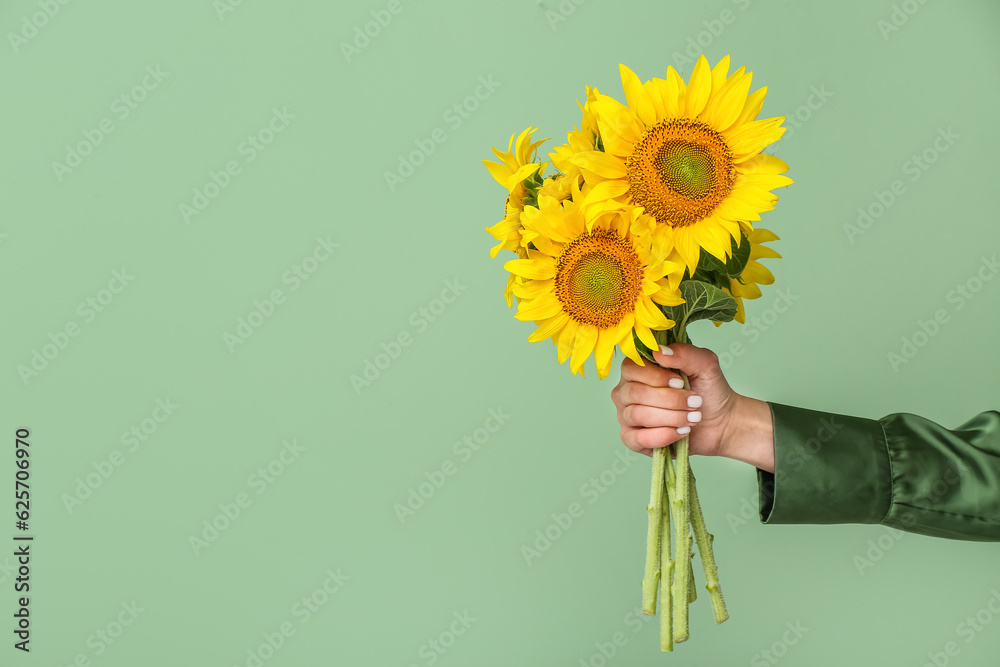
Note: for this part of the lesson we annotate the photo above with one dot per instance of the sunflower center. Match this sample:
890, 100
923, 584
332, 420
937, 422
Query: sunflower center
598, 277
686, 168
680, 171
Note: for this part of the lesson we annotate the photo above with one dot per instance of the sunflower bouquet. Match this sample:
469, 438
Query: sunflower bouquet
645, 226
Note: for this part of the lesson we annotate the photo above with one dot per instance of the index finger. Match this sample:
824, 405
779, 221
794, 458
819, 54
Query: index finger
650, 374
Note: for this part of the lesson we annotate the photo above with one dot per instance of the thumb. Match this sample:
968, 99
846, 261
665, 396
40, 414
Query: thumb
698, 363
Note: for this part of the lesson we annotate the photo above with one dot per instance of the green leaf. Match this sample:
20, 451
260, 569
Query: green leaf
702, 301
708, 263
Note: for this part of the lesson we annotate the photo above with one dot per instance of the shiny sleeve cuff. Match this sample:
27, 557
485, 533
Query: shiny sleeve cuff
828, 468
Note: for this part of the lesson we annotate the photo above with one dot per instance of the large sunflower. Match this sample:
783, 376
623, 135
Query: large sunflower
589, 283
689, 154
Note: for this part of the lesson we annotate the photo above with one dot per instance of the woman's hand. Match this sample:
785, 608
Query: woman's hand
654, 410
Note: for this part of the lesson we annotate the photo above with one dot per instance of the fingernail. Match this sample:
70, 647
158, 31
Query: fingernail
684, 430
694, 401
666, 350
694, 417
676, 383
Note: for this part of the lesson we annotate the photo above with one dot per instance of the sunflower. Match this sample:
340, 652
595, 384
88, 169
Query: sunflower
589, 283
516, 165
688, 154
754, 273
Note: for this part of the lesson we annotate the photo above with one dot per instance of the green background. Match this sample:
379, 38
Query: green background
332, 507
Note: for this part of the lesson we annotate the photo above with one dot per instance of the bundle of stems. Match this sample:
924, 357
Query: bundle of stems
673, 502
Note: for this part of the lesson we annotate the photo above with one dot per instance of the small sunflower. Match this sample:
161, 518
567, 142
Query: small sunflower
516, 165
688, 154
754, 273
588, 284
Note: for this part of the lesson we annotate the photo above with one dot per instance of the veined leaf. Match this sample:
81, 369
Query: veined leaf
702, 301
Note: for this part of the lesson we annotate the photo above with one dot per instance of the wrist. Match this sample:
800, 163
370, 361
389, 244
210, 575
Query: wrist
749, 434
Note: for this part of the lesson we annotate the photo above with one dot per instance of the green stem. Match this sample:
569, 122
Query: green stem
705, 539
667, 567
682, 556
654, 535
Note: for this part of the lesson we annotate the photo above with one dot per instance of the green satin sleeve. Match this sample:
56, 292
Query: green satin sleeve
901, 471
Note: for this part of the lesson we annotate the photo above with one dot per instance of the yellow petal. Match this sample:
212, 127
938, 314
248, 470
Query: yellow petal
626, 342
542, 308
548, 327
583, 344
522, 173
601, 163
645, 335
751, 138
620, 129
698, 89
679, 84
533, 288
762, 163
604, 351
725, 107
636, 96
648, 315
500, 172
667, 297
720, 73
751, 107
536, 269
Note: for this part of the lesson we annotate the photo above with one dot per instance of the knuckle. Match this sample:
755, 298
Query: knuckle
628, 414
